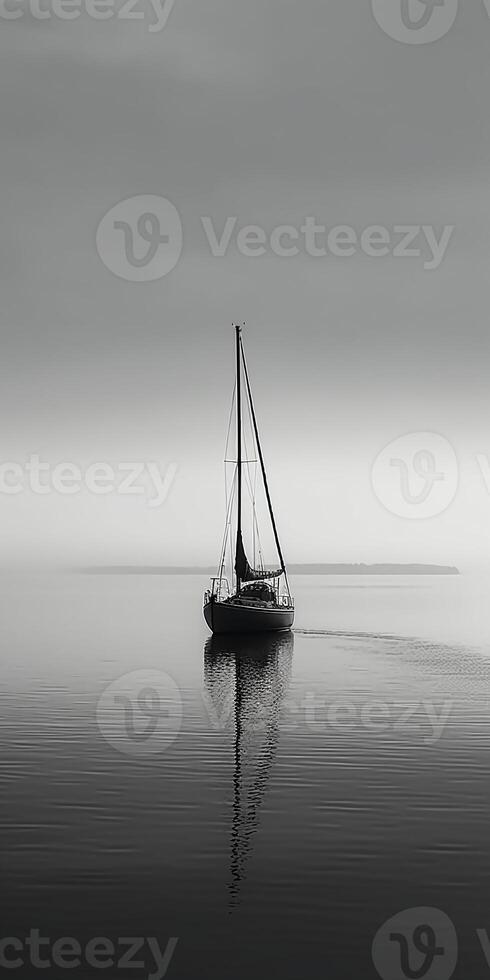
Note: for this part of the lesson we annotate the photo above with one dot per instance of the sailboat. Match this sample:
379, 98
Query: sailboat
255, 603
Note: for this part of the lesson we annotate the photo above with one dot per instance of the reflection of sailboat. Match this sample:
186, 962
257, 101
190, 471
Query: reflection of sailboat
252, 676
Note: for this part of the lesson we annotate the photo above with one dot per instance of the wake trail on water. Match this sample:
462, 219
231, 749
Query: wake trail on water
356, 636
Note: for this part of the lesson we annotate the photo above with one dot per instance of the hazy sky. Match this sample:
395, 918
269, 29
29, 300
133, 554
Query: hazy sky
267, 112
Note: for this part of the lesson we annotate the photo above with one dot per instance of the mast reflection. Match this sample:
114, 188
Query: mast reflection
249, 674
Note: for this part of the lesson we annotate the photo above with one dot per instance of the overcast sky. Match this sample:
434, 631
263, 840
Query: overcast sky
269, 113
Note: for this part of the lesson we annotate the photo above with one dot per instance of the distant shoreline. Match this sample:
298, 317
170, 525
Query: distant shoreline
298, 569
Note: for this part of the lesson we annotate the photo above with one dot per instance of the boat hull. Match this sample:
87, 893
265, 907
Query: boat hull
223, 617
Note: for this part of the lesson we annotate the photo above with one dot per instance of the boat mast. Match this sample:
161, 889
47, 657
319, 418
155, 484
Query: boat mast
262, 465
238, 330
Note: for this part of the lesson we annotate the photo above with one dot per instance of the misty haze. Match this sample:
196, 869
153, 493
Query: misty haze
245, 489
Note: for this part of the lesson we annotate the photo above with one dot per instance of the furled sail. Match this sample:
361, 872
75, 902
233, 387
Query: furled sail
243, 570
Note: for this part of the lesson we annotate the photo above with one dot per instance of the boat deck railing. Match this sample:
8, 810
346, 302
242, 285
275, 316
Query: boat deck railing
220, 592
286, 601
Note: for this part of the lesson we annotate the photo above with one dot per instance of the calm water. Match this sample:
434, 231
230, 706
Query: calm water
271, 804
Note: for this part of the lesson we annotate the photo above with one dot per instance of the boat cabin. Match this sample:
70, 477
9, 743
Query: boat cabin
259, 591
